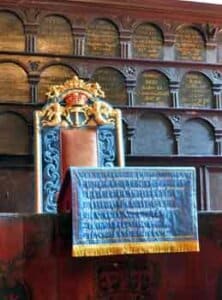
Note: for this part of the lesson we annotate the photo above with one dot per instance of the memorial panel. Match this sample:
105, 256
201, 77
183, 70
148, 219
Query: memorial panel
147, 42
12, 36
113, 84
152, 90
55, 36
13, 76
53, 75
196, 91
189, 45
102, 39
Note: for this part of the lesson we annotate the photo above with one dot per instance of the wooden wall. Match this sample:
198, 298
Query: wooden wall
165, 75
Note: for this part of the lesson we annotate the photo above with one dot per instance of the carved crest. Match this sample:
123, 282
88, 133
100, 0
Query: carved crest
76, 103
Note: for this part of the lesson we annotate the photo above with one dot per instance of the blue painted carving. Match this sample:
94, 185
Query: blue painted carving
107, 145
50, 167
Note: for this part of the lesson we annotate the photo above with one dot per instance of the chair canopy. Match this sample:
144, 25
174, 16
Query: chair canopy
74, 128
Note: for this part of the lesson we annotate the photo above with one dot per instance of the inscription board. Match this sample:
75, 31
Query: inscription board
147, 42
113, 84
12, 36
55, 36
195, 91
102, 39
152, 89
51, 76
131, 205
189, 45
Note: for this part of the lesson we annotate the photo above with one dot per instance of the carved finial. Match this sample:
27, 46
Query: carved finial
90, 89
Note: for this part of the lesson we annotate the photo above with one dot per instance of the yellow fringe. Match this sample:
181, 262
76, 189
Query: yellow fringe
135, 248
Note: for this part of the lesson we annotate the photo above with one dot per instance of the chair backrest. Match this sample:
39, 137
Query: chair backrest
74, 128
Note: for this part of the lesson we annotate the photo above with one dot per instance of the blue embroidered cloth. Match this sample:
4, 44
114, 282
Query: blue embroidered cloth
133, 210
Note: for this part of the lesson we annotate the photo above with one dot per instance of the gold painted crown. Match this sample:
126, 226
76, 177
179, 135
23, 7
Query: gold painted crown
75, 91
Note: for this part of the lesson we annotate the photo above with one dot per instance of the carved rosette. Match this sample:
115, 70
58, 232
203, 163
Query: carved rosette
76, 103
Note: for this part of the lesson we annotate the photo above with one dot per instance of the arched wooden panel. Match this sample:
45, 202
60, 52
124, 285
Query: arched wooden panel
147, 42
56, 74
55, 36
14, 85
14, 137
189, 45
196, 91
153, 135
102, 39
197, 138
152, 90
11, 33
113, 84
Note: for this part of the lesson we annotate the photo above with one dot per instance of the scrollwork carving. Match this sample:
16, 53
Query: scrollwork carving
106, 146
51, 168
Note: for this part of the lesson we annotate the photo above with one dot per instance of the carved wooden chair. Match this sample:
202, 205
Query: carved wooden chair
75, 128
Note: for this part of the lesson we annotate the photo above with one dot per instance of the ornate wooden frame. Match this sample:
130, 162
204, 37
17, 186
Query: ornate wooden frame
74, 104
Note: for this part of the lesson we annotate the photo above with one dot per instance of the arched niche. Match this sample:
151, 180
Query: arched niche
147, 42
196, 91
52, 75
102, 39
55, 36
152, 90
153, 135
189, 44
14, 85
14, 137
197, 138
11, 32
112, 83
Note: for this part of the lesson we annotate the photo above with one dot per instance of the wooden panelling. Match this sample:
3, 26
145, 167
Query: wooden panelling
102, 39
147, 42
152, 90
55, 36
113, 83
14, 137
52, 75
16, 192
197, 138
153, 135
12, 37
13, 83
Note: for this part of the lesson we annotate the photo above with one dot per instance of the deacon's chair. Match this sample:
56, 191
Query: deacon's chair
74, 128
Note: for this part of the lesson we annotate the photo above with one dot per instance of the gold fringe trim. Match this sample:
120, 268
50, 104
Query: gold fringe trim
135, 248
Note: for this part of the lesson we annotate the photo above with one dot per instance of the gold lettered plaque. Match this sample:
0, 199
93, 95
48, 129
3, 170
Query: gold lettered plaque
189, 45
102, 39
152, 89
196, 91
55, 36
113, 84
147, 42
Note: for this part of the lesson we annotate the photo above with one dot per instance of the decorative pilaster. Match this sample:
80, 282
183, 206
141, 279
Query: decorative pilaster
217, 90
129, 142
33, 81
130, 74
174, 91
31, 37
218, 141
79, 41
125, 44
